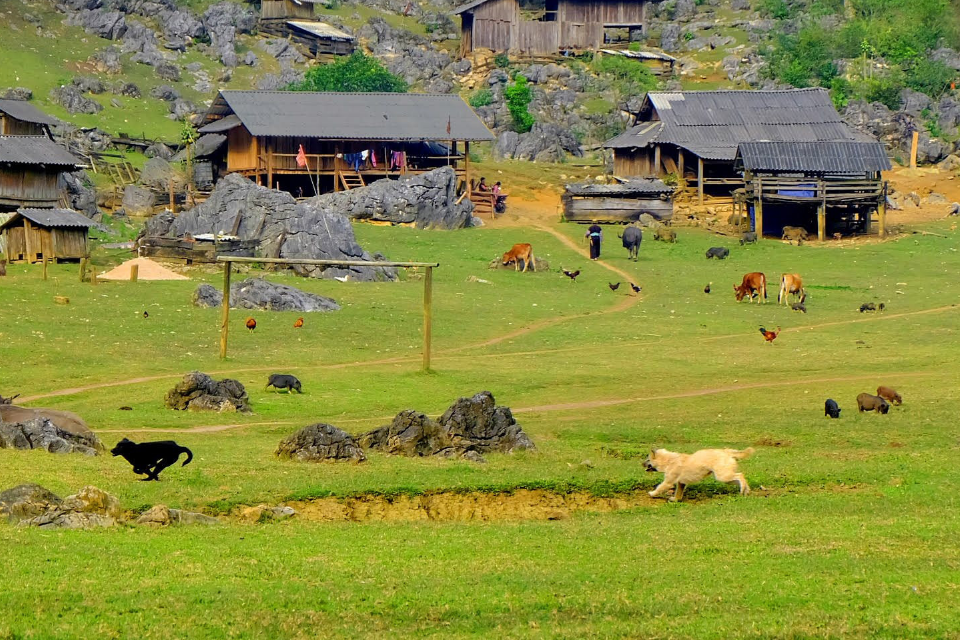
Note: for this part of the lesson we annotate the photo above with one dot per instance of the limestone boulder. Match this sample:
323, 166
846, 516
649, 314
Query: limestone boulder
48, 429
199, 392
320, 442
27, 501
34, 506
162, 516
137, 201
260, 294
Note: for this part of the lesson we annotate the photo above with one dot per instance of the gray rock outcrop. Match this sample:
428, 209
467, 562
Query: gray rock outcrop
199, 392
16, 93
545, 142
319, 443
257, 293
26, 501
34, 506
161, 515
285, 228
80, 193
70, 98
428, 201
48, 429
468, 429
137, 201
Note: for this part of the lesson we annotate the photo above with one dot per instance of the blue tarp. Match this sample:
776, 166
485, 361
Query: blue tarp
809, 192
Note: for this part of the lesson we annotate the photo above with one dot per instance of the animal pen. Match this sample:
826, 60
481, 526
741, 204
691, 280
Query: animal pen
427, 291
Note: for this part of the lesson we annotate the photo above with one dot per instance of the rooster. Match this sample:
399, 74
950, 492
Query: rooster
706, 289
251, 324
635, 288
613, 287
571, 274
298, 323
770, 336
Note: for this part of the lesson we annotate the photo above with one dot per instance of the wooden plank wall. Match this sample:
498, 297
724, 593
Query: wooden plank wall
638, 163
602, 12
13, 127
538, 38
70, 244
241, 150
495, 25
28, 185
613, 209
285, 9
580, 36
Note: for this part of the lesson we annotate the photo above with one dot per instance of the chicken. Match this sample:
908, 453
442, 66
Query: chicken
298, 323
770, 336
251, 324
799, 306
571, 274
706, 289
635, 288
146, 315
613, 287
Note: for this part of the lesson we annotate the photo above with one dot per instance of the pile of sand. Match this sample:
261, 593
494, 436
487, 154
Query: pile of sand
148, 270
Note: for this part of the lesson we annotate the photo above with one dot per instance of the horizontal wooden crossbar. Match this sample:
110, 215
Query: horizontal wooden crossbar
326, 263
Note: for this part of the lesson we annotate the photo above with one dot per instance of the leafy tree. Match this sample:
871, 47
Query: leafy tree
356, 72
518, 97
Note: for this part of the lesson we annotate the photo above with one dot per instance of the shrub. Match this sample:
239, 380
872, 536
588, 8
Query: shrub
518, 97
481, 98
356, 72
931, 77
502, 60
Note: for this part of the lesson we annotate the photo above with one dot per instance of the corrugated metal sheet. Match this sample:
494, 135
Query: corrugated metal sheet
630, 187
814, 157
468, 6
321, 30
52, 218
350, 116
221, 125
636, 137
640, 55
35, 150
712, 123
25, 111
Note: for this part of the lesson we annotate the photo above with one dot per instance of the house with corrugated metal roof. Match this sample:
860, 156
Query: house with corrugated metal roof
347, 139
20, 118
54, 235
547, 27
30, 167
696, 135
294, 20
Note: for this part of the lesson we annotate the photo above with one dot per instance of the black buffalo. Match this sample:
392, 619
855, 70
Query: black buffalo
632, 237
830, 408
717, 252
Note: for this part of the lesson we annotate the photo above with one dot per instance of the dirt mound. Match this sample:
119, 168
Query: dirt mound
147, 270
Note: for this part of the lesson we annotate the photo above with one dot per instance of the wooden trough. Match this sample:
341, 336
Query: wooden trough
196, 250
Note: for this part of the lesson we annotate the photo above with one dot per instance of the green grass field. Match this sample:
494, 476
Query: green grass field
850, 532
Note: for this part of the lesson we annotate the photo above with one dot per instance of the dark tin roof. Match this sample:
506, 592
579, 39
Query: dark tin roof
468, 6
35, 150
51, 218
638, 136
349, 116
712, 123
627, 188
813, 157
21, 110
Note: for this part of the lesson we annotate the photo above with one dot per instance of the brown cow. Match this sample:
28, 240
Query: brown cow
889, 395
518, 252
795, 233
752, 282
790, 283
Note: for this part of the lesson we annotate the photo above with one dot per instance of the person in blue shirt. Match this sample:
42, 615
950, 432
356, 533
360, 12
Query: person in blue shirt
595, 233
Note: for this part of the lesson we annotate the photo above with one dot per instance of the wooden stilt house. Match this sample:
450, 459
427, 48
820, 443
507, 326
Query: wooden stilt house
29, 169
34, 235
20, 118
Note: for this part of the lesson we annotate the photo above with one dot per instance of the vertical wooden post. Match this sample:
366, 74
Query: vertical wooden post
758, 208
466, 165
680, 162
336, 167
882, 212
225, 316
427, 317
173, 197
83, 269
913, 149
700, 178
93, 275
134, 272
656, 161
822, 213
269, 165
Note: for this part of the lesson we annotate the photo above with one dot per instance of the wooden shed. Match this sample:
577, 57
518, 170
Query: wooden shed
624, 202
20, 118
294, 20
34, 235
546, 27
29, 169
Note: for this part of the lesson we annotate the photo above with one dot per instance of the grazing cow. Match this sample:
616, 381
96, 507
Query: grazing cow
632, 237
518, 252
748, 237
867, 402
717, 252
795, 233
790, 283
889, 395
830, 408
665, 234
752, 282
282, 381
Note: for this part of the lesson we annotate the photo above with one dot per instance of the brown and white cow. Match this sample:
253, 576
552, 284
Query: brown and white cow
518, 252
752, 282
790, 283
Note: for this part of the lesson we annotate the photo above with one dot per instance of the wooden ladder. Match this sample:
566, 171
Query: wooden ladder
351, 180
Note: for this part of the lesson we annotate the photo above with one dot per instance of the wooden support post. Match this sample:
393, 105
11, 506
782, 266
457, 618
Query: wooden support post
44, 267
173, 197
83, 269
758, 208
680, 162
822, 213
882, 212
225, 316
656, 161
134, 272
466, 165
427, 317
913, 149
93, 275
269, 166
700, 178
